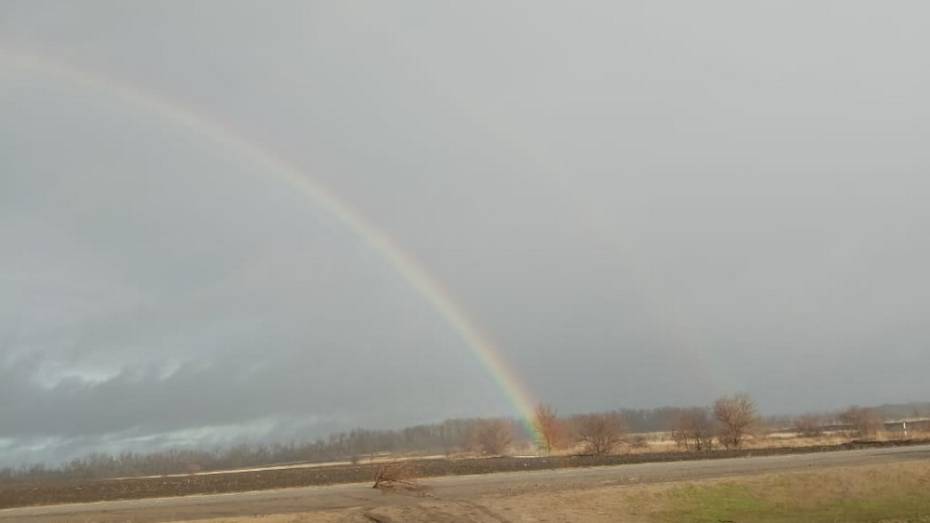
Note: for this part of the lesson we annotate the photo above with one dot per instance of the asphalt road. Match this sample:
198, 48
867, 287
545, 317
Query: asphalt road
357, 495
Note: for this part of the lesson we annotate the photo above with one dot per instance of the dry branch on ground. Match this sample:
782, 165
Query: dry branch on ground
397, 474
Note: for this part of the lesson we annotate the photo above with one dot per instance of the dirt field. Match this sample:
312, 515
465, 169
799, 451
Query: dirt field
831, 486
874, 493
16, 495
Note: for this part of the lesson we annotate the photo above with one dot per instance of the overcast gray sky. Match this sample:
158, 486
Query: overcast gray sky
643, 203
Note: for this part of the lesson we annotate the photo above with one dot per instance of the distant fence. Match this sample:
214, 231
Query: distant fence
906, 425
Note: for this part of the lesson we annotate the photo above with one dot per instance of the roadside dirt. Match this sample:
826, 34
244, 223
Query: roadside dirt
567, 494
825, 495
19, 495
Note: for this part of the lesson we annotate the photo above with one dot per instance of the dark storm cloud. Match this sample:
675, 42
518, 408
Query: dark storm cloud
644, 204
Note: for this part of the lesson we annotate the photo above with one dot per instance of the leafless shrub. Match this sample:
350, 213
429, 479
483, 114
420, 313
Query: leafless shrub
600, 433
694, 430
550, 431
809, 426
865, 422
736, 414
492, 437
639, 441
396, 474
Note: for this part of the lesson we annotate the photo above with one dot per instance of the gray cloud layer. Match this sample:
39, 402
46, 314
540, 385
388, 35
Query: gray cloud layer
644, 204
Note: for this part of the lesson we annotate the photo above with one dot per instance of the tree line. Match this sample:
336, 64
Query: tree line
725, 423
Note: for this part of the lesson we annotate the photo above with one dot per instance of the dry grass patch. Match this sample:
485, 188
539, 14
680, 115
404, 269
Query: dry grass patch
397, 475
898, 492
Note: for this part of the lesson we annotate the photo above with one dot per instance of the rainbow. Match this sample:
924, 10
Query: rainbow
404, 263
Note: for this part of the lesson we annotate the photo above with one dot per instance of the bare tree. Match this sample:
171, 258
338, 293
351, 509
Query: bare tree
736, 415
493, 436
600, 433
694, 429
550, 432
809, 425
864, 421
639, 441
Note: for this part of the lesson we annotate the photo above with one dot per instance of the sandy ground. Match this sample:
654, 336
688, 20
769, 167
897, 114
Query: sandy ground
595, 505
88, 490
589, 494
616, 503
